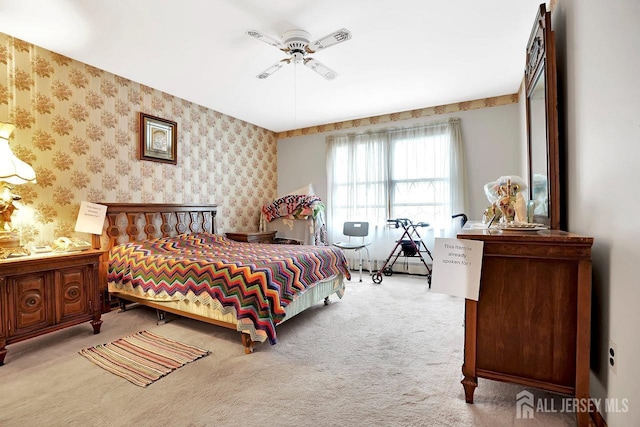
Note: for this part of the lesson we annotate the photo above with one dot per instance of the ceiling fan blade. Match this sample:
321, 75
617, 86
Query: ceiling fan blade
342, 35
266, 39
321, 69
275, 67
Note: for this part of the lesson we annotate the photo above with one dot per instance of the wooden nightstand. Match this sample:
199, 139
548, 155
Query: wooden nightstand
252, 236
47, 292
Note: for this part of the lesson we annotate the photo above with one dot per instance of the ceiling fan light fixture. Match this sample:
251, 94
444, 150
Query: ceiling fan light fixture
297, 57
296, 43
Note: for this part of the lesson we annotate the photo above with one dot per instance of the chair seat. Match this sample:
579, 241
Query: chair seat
347, 245
356, 229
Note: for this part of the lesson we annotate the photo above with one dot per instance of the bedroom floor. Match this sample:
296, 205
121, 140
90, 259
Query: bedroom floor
384, 355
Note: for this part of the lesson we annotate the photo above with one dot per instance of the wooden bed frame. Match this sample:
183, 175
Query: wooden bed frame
129, 222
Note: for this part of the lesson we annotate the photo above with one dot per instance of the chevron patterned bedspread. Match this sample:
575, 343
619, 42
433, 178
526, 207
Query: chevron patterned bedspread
258, 280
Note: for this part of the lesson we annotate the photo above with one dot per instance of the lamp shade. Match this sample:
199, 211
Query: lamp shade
12, 169
6, 129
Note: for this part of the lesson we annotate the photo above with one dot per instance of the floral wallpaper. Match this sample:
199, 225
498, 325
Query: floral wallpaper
405, 115
78, 127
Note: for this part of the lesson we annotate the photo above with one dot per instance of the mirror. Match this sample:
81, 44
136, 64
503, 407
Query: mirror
542, 123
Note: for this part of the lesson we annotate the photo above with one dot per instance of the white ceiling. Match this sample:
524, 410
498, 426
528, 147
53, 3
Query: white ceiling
403, 55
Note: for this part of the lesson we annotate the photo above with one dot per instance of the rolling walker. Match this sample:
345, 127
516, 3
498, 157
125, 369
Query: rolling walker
410, 244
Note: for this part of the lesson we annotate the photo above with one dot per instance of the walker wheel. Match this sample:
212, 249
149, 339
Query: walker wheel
377, 278
387, 271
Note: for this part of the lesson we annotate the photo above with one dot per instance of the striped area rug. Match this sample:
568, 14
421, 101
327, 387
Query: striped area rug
143, 358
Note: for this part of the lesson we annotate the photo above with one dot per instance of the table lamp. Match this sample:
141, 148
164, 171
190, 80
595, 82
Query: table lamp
13, 171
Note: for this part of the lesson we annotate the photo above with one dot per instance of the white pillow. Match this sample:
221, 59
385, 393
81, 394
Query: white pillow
307, 190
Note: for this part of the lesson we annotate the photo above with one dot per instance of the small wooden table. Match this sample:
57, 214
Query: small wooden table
252, 236
47, 292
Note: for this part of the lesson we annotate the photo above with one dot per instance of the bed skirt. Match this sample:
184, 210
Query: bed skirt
210, 308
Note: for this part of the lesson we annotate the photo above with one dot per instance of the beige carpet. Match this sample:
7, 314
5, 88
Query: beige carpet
384, 355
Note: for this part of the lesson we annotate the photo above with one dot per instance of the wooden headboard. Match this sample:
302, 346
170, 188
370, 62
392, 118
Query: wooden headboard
130, 222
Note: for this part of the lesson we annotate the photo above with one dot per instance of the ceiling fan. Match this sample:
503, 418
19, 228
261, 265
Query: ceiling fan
297, 45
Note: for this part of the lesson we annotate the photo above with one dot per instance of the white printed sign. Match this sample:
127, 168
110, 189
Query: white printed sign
91, 218
457, 265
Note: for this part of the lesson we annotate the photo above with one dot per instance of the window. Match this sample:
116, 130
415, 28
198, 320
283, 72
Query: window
360, 182
405, 173
419, 184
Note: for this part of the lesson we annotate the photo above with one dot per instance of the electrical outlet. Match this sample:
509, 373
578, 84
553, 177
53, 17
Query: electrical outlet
612, 356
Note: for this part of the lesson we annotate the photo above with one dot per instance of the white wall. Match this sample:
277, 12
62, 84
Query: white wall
492, 140
599, 50
301, 161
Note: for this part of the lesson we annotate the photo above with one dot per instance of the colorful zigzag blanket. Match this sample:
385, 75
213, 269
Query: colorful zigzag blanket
257, 280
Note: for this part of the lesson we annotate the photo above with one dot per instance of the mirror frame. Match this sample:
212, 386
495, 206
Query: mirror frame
541, 58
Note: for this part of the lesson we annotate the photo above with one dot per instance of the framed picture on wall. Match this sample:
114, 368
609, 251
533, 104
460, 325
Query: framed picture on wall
158, 139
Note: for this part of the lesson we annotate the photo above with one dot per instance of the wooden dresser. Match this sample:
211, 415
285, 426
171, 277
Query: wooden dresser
252, 236
44, 293
531, 324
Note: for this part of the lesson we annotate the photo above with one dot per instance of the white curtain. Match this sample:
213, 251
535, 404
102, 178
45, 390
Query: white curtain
416, 173
458, 168
358, 176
